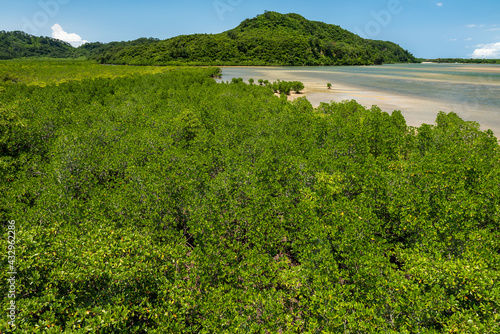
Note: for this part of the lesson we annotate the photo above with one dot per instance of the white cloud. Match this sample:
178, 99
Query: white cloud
487, 51
73, 39
439, 4
475, 25
468, 39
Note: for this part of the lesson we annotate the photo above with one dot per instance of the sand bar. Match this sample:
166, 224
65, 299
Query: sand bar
416, 110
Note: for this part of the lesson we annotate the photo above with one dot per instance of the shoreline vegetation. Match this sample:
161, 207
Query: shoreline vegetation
57, 71
459, 61
169, 203
41, 72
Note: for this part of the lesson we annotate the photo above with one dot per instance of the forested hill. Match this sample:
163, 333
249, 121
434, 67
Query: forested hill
18, 44
268, 39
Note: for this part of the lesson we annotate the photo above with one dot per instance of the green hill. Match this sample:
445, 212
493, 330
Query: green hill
268, 39
18, 44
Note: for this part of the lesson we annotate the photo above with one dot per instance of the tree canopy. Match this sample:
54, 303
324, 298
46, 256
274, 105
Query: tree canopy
18, 44
169, 203
268, 39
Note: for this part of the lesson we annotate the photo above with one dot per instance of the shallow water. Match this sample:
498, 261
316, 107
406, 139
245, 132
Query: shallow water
420, 91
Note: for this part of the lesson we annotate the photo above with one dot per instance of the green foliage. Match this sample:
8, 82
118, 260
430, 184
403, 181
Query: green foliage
297, 86
44, 71
461, 61
96, 50
168, 203
236, 80
302, 104
284, 87
268, 39
18, 44
6, 77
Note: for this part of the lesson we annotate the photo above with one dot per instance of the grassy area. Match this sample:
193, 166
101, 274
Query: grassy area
46, 70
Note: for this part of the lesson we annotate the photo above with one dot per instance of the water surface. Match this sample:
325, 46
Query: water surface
420, 91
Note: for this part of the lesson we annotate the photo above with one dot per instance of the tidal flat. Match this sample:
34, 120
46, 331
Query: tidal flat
420, 91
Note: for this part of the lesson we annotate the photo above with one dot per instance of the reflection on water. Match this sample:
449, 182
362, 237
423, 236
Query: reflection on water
420, 91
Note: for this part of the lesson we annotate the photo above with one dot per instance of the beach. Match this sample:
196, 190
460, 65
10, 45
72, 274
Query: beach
417, 105
415, 110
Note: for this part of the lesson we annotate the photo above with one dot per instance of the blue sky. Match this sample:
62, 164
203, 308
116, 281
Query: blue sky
427, 28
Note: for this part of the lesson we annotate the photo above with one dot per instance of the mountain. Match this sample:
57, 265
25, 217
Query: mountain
18, 44
268, 39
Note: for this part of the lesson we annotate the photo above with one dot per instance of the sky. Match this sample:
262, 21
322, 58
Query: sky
426, 28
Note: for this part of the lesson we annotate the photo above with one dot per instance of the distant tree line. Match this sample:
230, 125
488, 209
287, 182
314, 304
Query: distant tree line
18, 44
461, 61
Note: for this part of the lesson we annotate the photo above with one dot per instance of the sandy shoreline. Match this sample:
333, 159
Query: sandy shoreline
416, 110
415, 116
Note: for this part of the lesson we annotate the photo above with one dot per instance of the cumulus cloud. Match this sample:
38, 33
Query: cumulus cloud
439, 4
487, 51
73, 39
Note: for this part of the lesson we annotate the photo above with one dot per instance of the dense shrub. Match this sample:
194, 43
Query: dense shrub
169, 203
